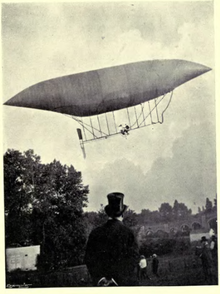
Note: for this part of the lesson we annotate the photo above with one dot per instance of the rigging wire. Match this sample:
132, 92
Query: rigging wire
92, 127
83, 129
136, 116
114, 121
107, 123
128, 117
99, 124
166, 108
150, 112
142, 110
83, 124
156, 109
156, 106
139, 124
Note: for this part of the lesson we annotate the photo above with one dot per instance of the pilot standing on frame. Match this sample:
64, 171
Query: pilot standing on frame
112, 251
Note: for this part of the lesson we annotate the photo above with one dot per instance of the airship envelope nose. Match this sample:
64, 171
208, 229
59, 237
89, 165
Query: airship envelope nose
192, 70
186, 70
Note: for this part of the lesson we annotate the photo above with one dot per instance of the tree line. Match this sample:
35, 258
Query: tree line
44, 206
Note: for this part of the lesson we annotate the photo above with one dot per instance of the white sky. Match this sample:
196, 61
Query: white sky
175, 160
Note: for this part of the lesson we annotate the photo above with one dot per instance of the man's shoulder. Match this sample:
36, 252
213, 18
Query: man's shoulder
122, 228
97, 230
109, 225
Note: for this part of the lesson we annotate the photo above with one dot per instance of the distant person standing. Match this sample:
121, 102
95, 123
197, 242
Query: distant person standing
155, 264
214, 255
213, 248
206, 259
112, 251
143, 268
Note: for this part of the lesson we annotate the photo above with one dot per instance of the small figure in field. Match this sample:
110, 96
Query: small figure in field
155, 265
206, 259
213, 248
143, 268
214, 255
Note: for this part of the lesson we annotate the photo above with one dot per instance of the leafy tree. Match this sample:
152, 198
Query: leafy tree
91, 216
89, 221
148, 217
94, 219
130, 218
18, 195
180, 210
208, 205
102, 217
215, 203
57, 197
62, 210
176, 209
155, 216
144, 216
166, 211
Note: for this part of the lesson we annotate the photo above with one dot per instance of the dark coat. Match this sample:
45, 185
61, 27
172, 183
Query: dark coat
112, 252
206, 257
155, 264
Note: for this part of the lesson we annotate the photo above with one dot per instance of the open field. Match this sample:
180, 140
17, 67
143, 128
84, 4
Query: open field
174, 270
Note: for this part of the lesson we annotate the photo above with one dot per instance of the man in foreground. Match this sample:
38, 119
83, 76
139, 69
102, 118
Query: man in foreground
112, 252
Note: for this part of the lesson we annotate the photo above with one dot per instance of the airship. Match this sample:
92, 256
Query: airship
99, 92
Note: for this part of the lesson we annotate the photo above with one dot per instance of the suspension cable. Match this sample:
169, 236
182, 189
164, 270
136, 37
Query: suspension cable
151, 110
114, 121
83, 129
149, 113
83, 125
92, 128
156, 110
128, 118
166, 108
142, 110
99, 124
107, 123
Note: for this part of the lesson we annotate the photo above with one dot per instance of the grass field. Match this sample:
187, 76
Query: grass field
182, 270
174, 270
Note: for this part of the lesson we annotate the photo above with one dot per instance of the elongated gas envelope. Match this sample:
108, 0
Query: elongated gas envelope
108, 89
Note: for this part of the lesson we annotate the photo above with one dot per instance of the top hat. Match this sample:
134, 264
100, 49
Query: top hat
203, 239
115, 207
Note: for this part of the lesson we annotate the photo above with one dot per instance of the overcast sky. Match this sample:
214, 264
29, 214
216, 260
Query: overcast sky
161, 163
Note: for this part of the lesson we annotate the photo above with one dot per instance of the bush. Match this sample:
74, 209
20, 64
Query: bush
163, 246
